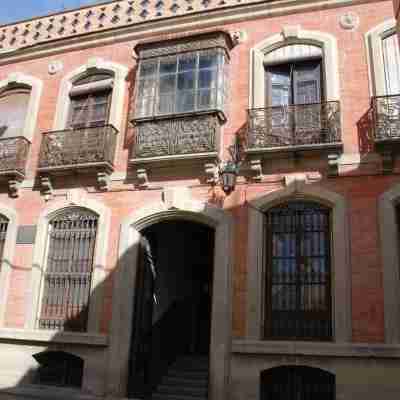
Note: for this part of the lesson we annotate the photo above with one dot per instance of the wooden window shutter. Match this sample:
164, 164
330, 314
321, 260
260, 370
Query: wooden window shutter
307, 82
13, 109
68, 274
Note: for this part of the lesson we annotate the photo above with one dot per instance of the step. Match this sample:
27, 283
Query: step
192, 374
182, 390
164, 396
175, 380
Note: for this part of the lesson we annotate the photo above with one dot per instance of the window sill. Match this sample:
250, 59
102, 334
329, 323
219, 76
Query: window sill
46, 392
90, 339
323, 349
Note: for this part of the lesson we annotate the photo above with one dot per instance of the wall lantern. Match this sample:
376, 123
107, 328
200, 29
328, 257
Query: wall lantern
228, 173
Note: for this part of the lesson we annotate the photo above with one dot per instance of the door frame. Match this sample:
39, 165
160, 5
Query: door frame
124, 288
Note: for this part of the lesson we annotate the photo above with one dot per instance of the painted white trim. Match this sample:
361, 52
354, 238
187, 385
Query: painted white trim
288, 36
340, 257
117, 98
36, 86
8, 258
179, 208
373, 45
99, 263
389, 239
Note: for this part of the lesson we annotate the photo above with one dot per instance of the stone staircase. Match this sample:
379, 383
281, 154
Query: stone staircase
186, 379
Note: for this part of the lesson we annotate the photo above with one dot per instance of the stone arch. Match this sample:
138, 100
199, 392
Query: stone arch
8, 257
340, 251
117, 99
36, 86
294, 35
388, 202
100, 256
123, 298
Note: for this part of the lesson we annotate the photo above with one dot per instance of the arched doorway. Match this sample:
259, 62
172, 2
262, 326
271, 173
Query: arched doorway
181, 208
172, 310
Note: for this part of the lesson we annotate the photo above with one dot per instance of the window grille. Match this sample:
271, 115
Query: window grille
58, 368
68, 275
298, 272
187, 82
297, 383
3, 233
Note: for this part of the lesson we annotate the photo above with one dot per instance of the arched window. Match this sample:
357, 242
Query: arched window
298, 272
90, 100
58, 368
68, 273
13, 111
297, 383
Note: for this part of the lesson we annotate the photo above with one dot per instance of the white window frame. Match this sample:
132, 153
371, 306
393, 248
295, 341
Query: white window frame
99, 262
294, 35
117, 98
373, 44
36, 86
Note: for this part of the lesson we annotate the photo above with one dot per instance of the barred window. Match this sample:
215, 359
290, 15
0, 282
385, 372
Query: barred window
297, 383
193, 81
90, 100
3, 233
58, 368
68, 274
298, 272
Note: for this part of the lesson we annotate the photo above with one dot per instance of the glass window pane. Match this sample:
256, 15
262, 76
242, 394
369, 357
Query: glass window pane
207, 78
205, 99
391, 56
13, 108
167, 83
185, 101
186, 80
208, 60
168, 66
167, 103
187, 62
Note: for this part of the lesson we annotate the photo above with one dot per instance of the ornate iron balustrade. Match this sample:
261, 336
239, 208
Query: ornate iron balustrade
192, 134
294, 125
386, 114
75, 148
13, 155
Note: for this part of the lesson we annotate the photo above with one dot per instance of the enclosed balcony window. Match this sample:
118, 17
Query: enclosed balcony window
182, 83
298, 276
391, 58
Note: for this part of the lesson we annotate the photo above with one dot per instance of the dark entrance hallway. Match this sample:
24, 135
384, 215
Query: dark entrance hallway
172, 311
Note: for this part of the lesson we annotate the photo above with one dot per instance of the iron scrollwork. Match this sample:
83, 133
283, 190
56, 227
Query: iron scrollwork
177, 136
386, 111
294, 125
13, 154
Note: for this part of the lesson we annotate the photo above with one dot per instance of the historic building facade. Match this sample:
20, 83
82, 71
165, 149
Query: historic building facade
199, 199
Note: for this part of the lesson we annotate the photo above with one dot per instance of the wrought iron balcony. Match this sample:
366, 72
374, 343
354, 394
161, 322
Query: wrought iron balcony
386, 114
13, 156
176, 136
294, 127
78, 148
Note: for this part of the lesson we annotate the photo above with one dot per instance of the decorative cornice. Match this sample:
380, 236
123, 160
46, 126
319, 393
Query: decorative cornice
126, 14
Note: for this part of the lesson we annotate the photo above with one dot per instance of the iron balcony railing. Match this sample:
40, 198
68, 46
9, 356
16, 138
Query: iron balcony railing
79, 147
294, 125
13, 155
386, 114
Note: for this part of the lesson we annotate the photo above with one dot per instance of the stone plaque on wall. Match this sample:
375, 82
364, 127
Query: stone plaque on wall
26, 234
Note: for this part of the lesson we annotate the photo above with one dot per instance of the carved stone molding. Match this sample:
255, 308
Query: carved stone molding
349, 21
388, 159
13, 187
103, 180
47, 187
142, 178
211, 171
256, 169
333, 165
161, 47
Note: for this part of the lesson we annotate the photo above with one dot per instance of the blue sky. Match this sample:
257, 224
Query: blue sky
15, 10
